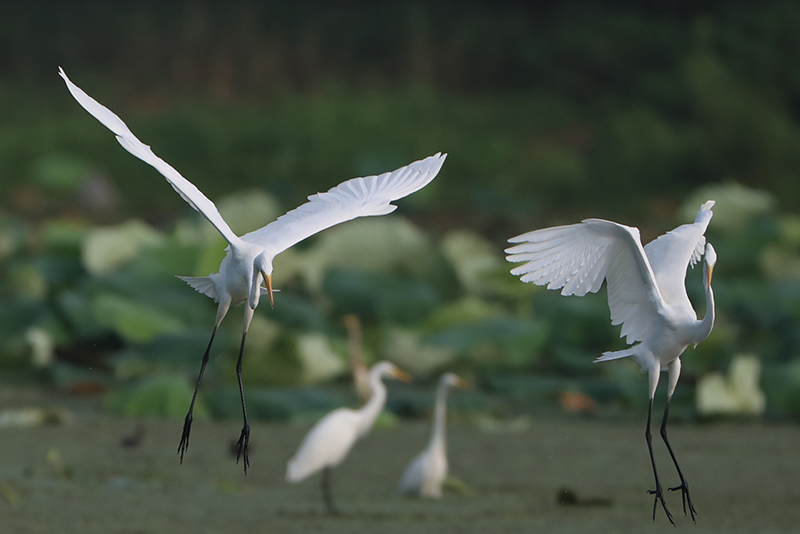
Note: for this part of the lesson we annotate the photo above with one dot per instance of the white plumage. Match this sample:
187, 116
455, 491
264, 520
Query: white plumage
248, 260
427, 472
646, 293
329, 441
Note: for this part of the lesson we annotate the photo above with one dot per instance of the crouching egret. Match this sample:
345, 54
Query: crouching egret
248, 261
646, 295
327, 444
427, 471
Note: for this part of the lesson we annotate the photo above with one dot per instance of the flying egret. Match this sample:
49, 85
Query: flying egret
427, 471
248, 261
646, 295
327, 444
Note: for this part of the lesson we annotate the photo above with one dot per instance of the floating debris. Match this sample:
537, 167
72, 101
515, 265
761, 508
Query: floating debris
575, 401
569, 497
8, 493
30, 416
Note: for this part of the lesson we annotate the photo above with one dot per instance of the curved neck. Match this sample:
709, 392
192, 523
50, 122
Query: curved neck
374, 405
438, 435
704, 327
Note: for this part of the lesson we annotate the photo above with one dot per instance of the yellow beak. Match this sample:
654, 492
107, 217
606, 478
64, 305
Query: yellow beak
268, 279
710, 273
461, 384
401, 375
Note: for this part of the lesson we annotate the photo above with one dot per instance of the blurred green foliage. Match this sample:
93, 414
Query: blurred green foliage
633, 111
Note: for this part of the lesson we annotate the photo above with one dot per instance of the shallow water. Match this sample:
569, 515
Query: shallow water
78, 478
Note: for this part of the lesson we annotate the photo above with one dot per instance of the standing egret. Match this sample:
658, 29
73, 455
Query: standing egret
427, 471
248, 261
327, 444
646, 295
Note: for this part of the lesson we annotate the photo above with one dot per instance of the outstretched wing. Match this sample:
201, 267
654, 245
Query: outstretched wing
358, 197
671, 253
129, 142
577, 258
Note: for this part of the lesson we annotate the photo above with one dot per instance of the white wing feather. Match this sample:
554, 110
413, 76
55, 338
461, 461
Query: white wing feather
358, 197
577, 258
671, 254
129, 142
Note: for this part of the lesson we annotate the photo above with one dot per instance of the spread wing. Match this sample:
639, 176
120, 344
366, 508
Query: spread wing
671, 254
129, 142
577, 258
358, 197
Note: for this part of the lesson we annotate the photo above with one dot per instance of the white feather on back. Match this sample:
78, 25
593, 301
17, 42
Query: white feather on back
325, 445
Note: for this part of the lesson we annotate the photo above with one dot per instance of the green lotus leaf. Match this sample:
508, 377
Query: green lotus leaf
159, 395
135, 321
106, 249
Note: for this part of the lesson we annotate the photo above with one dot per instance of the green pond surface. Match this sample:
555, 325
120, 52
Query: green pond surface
78, 477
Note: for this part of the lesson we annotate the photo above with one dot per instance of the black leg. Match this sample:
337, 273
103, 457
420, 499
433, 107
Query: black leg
659, 494
244, 438
183, 446
326, 492
684, 487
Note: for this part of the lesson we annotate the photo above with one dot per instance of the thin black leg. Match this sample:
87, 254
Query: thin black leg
244, 438
183, 446
326, 491
659, 494
684, 486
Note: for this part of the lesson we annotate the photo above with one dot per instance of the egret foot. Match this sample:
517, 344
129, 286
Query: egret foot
659, 496
687, 499
244, 441
183, 446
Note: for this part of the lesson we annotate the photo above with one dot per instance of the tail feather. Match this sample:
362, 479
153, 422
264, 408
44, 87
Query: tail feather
202, 284
615, 355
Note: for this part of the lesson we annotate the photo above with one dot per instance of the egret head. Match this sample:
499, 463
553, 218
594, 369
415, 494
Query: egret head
710, 258
385, 368
453, 380
263, 265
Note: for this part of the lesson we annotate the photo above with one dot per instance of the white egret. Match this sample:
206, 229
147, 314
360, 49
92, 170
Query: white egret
646, 295
327, 444
248, 261
427, 471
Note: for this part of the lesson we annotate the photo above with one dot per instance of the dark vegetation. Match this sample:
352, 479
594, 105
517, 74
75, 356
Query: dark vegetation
629, 111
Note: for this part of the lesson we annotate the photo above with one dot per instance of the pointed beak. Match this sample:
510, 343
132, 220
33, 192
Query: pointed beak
461, 384
401, 375
268, 279
710, 273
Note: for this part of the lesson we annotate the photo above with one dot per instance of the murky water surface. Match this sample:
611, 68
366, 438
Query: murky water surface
79, 478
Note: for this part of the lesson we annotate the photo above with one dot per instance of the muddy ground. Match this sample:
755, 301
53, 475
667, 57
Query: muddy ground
77, 477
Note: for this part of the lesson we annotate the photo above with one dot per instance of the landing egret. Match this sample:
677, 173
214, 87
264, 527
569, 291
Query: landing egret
646, 295
327, 444
249, 258
427, 471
